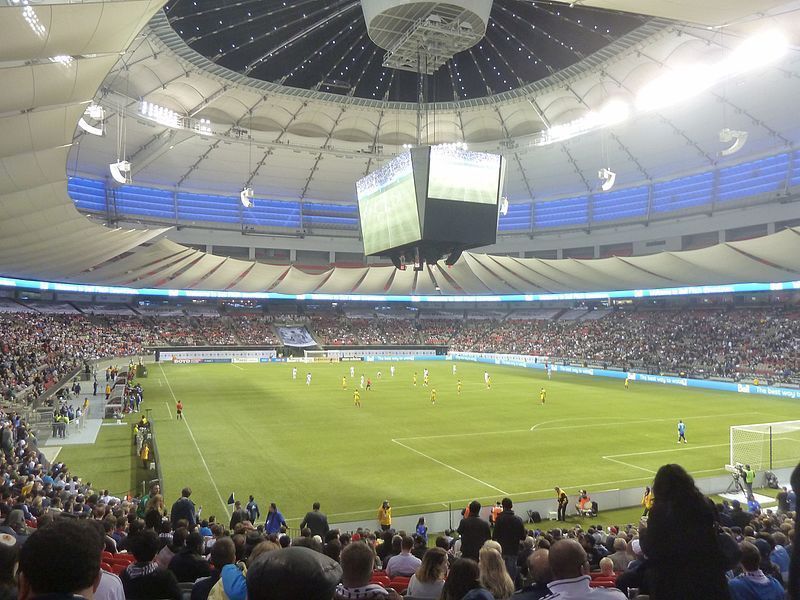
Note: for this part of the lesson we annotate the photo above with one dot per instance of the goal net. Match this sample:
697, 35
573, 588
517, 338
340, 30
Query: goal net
322, 355
766, 446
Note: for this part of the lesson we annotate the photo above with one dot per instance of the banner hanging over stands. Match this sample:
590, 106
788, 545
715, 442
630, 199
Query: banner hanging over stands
297, 337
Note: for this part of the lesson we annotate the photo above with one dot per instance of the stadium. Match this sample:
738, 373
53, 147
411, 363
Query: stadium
383, 298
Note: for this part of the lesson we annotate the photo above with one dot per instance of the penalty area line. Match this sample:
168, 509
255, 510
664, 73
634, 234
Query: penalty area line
169, 410
197, 447
452, 468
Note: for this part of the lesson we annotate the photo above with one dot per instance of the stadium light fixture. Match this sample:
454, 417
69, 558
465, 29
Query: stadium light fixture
738, 139
159, 114
121, 171
96, 113
246, 196
607, 179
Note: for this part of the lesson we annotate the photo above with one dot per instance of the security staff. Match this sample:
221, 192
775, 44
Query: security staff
749, 478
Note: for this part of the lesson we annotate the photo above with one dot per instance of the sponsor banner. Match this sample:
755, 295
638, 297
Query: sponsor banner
403, 357
273, 360
245, 359
197, 361
181, 356
726, 386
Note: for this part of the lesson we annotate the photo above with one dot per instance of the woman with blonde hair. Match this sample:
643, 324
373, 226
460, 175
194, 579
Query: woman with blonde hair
493, 574
428, 581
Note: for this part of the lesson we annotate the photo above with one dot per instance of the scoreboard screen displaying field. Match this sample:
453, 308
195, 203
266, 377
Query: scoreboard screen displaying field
458, 174
387, 205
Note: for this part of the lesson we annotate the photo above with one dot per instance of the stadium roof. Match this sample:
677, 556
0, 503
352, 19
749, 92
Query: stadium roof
55, 56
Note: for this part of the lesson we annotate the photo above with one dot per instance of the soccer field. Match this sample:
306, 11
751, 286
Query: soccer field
251, 429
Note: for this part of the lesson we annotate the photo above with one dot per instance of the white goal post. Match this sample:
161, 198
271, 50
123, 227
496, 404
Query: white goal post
322, 355
766, 446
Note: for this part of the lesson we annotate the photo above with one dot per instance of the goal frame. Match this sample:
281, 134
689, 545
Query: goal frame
769, 431
311, 356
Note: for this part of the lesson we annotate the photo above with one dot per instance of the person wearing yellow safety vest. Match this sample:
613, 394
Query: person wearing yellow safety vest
647, 501
385, 516
749, 478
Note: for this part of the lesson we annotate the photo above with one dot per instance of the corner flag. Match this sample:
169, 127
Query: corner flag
231, 500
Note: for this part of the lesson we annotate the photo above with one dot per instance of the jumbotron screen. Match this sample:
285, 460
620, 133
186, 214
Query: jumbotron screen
462, 175
387, 206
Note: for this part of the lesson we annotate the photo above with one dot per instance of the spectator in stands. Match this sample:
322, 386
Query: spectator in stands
358, 561
60, 561
474, 531
607, 574
793, 590
753, 584
462, 579
493, 574
571, 579
680, 541
509, 530
144, 579
540, 575
239, 514
404, 564
184, 508
223, 553
188, 564
620, 558
9, 551
292, 573
316, 521
429, 579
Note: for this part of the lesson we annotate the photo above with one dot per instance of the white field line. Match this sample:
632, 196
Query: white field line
160, 384
596, 421
197, 447
452, 468
238, 367
619, 462
683, 448
169, 410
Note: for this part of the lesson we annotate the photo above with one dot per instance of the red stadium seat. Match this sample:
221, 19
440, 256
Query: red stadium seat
380, 580
118, 568
106, 567
400, 584
107, 556
603, 583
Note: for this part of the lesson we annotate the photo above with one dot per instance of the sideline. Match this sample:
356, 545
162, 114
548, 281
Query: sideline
202, 458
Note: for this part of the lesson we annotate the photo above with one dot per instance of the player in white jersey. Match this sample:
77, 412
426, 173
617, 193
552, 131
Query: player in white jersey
308, 378
379, 375
549, 371
486, 376
425, 374
362, 382
294, 373
352, 371
454, 369
391, 370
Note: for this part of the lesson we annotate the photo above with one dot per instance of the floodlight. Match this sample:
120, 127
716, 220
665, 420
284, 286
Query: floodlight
121, 171
607, 179
504, 206
246, 196
739, 139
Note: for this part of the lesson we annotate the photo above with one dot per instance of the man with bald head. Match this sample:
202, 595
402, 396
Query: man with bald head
570, 568
540, 576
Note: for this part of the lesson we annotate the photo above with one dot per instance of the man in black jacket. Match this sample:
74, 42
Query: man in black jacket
184, 509
144, 579
509, 531
316, 521
188, 564
474, 531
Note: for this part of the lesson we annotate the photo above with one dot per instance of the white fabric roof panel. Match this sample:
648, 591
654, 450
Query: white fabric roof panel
259, 277
299, 282
117, 271
402, 282
780, 250
376, 281
344, 279
205, 264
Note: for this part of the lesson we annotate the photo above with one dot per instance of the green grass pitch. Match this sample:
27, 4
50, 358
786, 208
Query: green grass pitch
251, 429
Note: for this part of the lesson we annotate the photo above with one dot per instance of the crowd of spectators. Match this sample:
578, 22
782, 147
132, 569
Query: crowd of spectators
109, 548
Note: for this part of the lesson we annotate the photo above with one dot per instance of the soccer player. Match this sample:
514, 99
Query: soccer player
488, 383
357, 398
485, 376
294, 373
627, 382
454, 369
379, 375
352, 371
391, 370
415, 379
681, 431
459, 387
362, 382
425, 379
433, 396
308, 378
344, 383
369, 384
542, 395
549, 371
179, 410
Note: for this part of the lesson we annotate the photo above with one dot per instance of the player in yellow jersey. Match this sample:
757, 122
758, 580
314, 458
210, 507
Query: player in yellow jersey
542, 395
627, 382
459, 387
357, 398
344, 383
488, 383
425, 381
415, 380
433, 396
